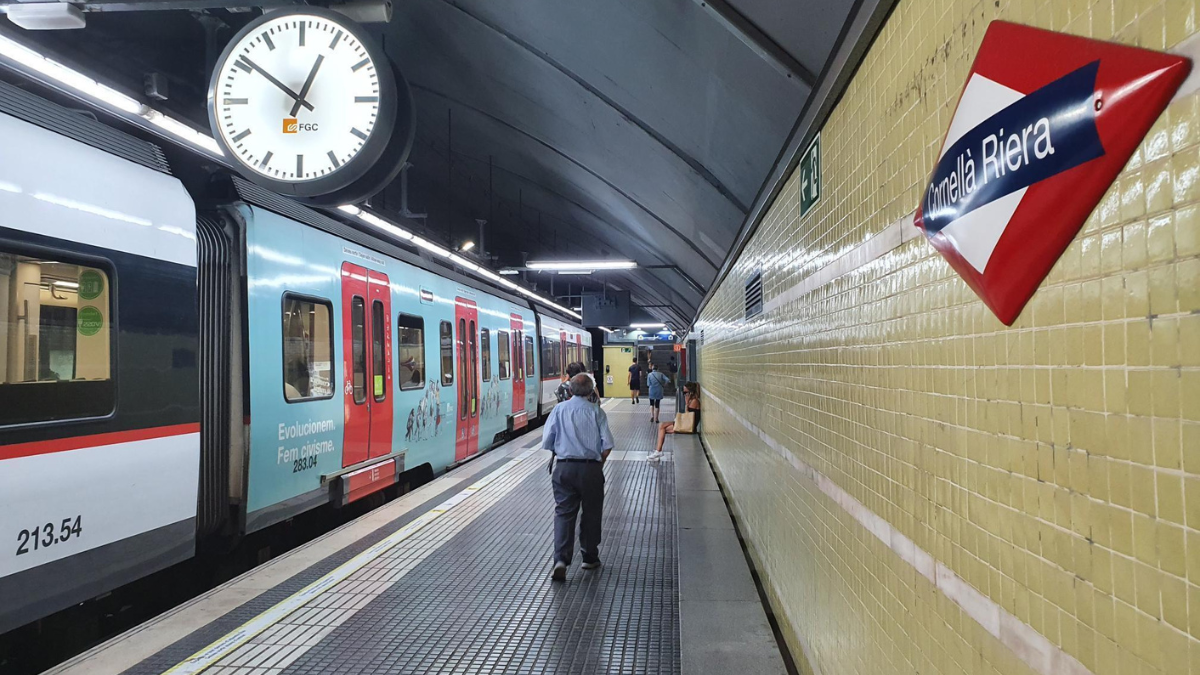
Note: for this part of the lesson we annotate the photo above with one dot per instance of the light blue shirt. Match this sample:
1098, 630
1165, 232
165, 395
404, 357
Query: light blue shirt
577, 429
656, 382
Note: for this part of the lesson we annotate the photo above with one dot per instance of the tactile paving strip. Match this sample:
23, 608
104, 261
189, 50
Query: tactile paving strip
483, 601
327, 603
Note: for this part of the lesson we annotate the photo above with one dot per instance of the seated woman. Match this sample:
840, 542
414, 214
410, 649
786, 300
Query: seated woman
691, 397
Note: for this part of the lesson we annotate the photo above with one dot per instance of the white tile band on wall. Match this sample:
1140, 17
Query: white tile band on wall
903, 230
896, 233
1033, 648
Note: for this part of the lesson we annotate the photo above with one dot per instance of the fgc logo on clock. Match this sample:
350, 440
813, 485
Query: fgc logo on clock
293, 126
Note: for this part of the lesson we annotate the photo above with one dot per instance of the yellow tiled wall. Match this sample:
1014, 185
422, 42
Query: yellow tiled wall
1053, 465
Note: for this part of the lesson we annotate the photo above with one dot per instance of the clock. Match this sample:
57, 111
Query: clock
305, 104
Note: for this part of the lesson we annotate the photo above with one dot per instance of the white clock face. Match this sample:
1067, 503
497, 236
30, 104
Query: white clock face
297, 98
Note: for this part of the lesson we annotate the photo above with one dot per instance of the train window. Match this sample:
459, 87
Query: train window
447, 338
518, 356
55, 340
502, 352
587, 356
378, 367
529, 361
358, 338
551, 360
307, 348
474, 370
462, 369
485, 353
411, 336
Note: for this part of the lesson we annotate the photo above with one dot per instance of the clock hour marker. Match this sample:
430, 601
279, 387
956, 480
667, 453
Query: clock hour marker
266, 158
358, 133
236, 101
302, 33
267, 39
336, 38
360, 64
366, 99
333, 159
299, 165
241, 136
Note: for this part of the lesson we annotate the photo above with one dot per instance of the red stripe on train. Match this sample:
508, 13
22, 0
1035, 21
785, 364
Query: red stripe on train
94, 440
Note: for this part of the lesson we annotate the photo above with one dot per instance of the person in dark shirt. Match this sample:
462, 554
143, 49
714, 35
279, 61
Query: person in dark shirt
635, 382
672, 370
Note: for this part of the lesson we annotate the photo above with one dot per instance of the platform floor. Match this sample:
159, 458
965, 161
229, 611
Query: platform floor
456, 580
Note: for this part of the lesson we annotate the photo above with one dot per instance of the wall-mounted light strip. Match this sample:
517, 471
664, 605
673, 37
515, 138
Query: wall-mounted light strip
606, 330
582, 265
84, 87
478, 270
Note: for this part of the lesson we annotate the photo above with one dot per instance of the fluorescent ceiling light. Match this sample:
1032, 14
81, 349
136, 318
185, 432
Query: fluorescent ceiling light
509, 273
467, 246
606, 330
182, 132
582, 265
576, 271
70, 77
479, 270
576, 309
647, 325
463, 262
87, 88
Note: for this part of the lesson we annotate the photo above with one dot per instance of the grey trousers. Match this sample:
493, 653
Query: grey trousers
577, 484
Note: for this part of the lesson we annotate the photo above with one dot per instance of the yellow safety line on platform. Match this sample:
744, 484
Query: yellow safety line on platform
214, 652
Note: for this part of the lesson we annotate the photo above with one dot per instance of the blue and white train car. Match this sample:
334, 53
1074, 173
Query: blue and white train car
362, 365
167, 377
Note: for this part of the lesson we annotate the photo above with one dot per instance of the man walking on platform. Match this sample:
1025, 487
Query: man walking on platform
578, 435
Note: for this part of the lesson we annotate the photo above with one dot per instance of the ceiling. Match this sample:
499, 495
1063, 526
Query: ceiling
609, 128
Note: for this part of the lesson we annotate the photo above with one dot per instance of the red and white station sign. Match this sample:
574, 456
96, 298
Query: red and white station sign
1045, 123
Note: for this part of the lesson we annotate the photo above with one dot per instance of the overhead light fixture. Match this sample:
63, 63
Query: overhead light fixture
647, 325
582, 265
467, 246
606, 330
576, 271
87, 88
398, 232
510, 272
576, 309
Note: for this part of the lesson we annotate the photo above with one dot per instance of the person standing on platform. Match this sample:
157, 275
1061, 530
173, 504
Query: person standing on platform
673, 370
564, 390
577, 433
635, 382
656, 380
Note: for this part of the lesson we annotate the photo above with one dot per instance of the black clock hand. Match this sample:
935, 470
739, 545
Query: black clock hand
312, 75
270, 78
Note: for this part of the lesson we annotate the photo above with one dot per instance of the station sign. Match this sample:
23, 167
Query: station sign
1045, 123
810, 176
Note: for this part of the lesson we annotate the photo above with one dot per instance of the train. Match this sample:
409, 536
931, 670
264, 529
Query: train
178, 366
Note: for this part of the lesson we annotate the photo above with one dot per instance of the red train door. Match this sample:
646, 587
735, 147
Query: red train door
518, 383
466, 322
366, 356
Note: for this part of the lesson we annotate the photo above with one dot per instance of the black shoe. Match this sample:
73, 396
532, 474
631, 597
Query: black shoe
595, 564
560, 571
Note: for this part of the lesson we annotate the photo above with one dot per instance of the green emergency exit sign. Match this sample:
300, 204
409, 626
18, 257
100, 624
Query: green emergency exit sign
810, 176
